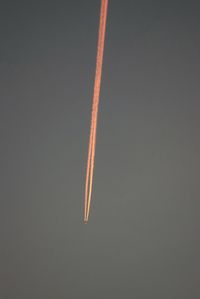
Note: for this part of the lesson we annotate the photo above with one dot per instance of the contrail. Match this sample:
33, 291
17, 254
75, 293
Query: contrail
95, 106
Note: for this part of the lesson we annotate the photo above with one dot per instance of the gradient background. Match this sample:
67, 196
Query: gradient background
142, 239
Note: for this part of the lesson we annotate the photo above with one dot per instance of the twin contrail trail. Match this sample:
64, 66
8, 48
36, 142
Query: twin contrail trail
95, 106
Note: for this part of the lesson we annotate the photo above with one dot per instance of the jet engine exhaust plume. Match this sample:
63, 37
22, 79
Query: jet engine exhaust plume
95, 107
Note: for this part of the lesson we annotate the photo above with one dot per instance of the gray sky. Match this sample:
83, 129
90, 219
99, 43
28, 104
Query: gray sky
142, 239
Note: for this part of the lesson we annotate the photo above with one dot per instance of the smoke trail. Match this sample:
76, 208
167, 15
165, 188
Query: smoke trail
95, 106
96, 100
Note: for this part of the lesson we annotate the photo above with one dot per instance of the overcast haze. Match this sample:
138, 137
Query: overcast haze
142, 239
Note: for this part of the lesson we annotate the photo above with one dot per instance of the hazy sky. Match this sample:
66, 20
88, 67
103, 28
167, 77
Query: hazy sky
142, 240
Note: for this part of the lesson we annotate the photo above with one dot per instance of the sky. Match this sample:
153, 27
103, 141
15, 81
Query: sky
142, 239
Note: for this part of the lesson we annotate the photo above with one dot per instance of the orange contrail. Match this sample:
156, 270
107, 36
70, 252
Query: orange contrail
95, 106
